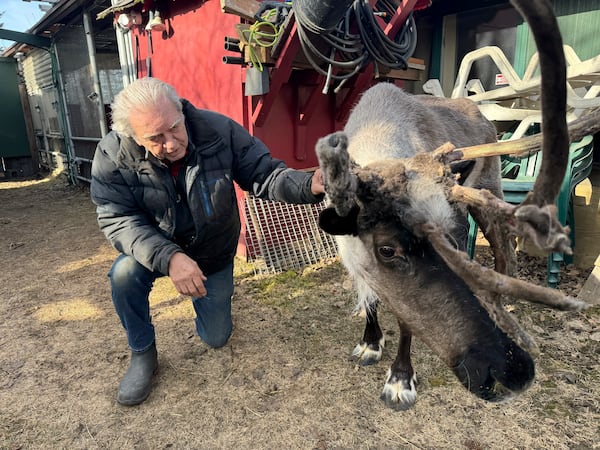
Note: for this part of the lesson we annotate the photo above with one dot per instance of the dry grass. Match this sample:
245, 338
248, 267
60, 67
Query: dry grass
283, 381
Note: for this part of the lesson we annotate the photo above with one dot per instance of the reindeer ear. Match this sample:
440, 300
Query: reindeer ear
332, 223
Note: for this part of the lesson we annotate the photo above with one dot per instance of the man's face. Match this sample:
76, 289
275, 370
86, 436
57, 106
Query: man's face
161, 130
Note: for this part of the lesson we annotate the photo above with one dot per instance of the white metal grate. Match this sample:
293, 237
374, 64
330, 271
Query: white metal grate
281, 236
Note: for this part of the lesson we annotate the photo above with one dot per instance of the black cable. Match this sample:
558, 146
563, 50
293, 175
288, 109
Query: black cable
384, 50
309, 50
343, 45
339, 41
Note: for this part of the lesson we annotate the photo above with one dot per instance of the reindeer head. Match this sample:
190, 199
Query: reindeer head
408, 217
391, 207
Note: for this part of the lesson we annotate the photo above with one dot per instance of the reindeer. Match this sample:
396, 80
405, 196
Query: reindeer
398, 198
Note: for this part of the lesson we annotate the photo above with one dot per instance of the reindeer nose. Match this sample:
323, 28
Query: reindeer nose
496, 375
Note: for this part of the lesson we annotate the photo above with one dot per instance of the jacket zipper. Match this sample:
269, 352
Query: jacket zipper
205, 196
173, 194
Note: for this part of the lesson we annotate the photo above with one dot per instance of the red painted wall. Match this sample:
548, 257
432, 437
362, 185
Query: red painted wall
191, 57
191, 60
282, 132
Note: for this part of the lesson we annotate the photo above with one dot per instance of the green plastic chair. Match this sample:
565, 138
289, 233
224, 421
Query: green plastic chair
518, 177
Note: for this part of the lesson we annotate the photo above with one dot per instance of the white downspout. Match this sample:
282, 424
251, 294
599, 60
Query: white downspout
91, 46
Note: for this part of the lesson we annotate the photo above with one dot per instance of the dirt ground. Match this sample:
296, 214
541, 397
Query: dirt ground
283, 381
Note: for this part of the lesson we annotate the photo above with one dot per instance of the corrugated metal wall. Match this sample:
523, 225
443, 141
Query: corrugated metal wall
37, 70
579, 22
43, 102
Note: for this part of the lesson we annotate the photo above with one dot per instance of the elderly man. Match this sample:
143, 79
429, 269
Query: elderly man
163, 184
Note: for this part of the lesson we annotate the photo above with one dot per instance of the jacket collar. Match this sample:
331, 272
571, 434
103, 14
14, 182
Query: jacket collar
202, 134
133, 155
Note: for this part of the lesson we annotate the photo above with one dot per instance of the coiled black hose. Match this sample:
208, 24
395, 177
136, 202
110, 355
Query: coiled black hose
340, 53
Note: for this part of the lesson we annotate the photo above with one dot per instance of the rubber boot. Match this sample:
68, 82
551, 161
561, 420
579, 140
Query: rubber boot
136, 385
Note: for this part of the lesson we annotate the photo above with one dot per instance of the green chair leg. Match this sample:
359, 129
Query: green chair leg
472, 237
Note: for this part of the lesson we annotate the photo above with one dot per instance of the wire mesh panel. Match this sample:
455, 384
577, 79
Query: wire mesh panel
280, 236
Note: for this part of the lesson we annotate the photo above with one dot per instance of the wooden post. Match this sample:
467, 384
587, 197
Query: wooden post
590, 293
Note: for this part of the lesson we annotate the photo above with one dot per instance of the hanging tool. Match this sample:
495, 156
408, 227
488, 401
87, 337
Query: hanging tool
150, 49
137, 56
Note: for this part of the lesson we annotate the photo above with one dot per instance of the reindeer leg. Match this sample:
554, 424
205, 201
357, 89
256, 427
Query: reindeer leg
399, 392
370, 349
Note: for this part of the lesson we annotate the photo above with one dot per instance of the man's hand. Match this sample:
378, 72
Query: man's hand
316, 185
186, 275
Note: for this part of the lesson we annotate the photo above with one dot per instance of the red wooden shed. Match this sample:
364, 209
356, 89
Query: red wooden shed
294, 112
189, 55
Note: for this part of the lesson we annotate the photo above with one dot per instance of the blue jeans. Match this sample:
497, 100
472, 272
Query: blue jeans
131, 283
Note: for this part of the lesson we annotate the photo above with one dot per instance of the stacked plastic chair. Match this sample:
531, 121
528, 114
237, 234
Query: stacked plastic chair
516, 106
518, 177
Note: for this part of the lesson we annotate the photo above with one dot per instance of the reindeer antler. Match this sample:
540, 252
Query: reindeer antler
585, 125
491, 285
481, 278
538, 223
340, 182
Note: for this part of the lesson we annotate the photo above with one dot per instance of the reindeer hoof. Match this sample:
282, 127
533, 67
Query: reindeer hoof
368, 354
399, 393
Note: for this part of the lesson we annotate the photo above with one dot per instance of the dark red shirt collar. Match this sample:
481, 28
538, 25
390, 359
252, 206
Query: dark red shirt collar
176, 165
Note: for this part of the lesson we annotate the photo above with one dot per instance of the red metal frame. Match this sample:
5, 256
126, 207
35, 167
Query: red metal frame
279, 75
282, 70
365, 77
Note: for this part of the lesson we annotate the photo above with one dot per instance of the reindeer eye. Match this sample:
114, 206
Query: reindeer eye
387, 252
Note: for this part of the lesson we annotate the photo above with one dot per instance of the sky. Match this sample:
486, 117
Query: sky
19, 16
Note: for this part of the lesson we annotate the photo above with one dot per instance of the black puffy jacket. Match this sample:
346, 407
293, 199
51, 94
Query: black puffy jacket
136, 197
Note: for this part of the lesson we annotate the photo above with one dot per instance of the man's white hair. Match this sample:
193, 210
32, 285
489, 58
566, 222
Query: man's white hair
141, 94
